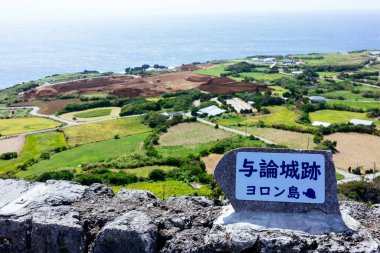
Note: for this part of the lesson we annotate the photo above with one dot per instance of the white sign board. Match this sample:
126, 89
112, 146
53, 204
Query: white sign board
280, 177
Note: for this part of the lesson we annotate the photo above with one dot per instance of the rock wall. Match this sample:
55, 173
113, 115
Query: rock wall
61, 216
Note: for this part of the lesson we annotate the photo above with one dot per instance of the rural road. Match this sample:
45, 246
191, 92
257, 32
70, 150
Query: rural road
235, 131
35, 110
66, 123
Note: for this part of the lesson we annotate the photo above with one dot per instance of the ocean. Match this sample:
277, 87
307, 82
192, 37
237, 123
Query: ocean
30, 50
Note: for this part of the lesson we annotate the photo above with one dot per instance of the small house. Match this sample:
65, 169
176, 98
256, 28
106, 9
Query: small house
288, 62
211, 111
317, 99
357, 122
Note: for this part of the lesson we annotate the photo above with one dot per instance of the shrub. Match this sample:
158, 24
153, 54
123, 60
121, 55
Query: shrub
56, 175
88, 179
45, 156
157, 175
8, 156
357, 171
139, 106
362, 191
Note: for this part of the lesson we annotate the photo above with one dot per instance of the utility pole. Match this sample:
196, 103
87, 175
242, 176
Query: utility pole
308, 140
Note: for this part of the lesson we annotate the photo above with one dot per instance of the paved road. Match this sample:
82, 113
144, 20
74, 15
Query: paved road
35, 110
66, 123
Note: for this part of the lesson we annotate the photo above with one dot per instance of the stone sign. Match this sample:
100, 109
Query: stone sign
279, 180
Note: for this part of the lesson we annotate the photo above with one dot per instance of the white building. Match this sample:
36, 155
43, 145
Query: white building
374, 54
211, 111
317, 99
298, 72
319, 123
357, 122
264, 61
240, 105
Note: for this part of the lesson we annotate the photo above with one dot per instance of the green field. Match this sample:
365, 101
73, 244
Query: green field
75, 157
335, 59
346, 94
355, 104
192, 133
94, 113
215, 71
166, 189
279, 115
144, 171
183, 151
278, 90
23, 125
328, 74
332, 116
376, 66
14, 113
195, 149
261, 76
106, 130
35, 145
228, 119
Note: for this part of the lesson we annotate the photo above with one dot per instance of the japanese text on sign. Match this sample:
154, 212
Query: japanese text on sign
280, 177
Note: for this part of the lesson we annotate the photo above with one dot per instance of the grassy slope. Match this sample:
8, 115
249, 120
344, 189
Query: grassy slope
35, 145
166, 189
106, 130
332, 116
356, 104
87, 153
22, 125
94, 113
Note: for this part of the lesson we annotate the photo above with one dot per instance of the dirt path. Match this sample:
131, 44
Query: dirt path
14, 144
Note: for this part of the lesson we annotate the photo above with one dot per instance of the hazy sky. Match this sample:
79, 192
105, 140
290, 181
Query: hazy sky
35, 8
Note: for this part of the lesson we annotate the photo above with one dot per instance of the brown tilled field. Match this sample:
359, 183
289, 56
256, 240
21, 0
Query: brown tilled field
14, 144
356, 150
123, 86
127, 86
225, 85
50, 107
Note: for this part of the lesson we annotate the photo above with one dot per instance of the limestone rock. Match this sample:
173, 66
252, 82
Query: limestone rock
60, 216
131, 233
135, 195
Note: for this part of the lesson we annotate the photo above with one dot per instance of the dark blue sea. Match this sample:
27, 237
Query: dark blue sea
30, 50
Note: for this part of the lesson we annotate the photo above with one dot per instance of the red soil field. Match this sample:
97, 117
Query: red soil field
226, 85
